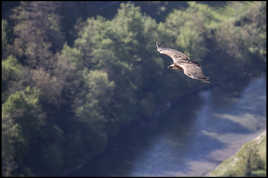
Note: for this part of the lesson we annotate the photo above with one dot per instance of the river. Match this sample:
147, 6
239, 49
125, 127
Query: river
197, 134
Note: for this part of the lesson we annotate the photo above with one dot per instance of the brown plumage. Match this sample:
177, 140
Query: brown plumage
182, 62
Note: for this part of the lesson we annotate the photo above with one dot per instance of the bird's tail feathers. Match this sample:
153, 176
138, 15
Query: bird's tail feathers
205, 79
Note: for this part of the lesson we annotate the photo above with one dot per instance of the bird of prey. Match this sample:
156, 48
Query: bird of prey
182, 62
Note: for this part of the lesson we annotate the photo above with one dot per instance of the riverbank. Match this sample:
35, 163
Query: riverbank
195, 135
250, 160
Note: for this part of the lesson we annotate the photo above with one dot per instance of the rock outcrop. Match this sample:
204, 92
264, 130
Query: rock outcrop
250, 160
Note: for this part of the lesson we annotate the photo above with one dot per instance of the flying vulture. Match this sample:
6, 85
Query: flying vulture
182, 62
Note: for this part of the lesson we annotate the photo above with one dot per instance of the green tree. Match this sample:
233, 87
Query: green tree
189, 28
4, 37
38, 33
12, 73
11, 70
22, 108
91, 106
10, 138
246, 34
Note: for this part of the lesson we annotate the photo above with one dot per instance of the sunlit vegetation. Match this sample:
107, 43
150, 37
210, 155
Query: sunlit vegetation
71, 81
249, 161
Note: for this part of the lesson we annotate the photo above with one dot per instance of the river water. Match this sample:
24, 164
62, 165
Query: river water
193, 138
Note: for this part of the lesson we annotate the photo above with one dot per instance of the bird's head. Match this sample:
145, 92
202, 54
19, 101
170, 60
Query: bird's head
159, 49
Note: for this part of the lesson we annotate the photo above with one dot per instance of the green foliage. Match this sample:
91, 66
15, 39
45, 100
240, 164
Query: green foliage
250, 160
37, 33
50, 86
24, 104
4, 34
89, 106
187, 28
120, 47
96, 93
6, 39
23, 110
10, 137
12, 71
72, 56
246, 34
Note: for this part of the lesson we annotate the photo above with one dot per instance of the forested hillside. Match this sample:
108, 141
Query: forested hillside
75, 73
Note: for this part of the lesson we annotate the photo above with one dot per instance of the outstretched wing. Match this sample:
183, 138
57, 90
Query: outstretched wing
194, 71
175, 55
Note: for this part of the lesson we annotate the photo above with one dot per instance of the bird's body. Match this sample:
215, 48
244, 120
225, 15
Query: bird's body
182, 62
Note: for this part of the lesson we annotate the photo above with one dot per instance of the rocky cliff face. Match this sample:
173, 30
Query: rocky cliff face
250, 160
